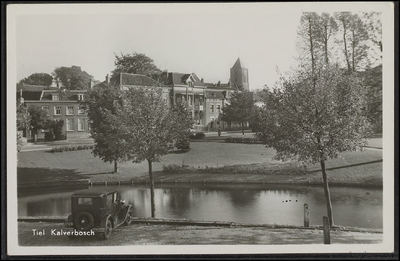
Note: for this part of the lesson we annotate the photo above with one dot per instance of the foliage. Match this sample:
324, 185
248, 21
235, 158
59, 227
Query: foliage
23, 117
251, 140
43, 79
71, 148
373, 84
147, 126
288, 169
135, 63
240, 108
311, 122
37, 118
72, 78
98, 104
55, 128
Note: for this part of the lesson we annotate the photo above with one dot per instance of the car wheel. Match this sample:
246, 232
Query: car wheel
107, 229
128, 220
84, 221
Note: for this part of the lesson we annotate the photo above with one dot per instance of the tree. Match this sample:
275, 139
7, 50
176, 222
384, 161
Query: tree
37, 119
147, 127
72, 78
313, 119
43, 79
98, 103
373, 84
354, 41
240, 108
135, 63
23, 121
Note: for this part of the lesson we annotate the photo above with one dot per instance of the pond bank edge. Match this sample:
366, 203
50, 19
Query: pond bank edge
88, 183
209, 223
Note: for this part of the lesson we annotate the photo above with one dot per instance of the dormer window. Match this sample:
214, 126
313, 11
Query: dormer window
55, 97
80, 97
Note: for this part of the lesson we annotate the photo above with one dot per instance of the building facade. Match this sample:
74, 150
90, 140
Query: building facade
59, 104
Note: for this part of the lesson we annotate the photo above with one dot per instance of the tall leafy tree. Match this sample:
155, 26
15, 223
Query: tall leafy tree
240, 108
99, 103
37, 119
313, 119
354, 40
43, 79
135, 63
72, 78
147, 127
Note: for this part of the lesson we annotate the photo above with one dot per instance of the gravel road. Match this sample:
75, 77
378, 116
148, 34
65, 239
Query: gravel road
154, 234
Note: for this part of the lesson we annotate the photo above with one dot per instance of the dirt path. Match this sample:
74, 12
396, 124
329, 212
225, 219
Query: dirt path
146, 234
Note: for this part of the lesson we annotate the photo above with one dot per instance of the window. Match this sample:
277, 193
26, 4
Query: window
70, 124
55, 97
211, 108
81, 110
80, 97
219, 108
57, 110
81, 124
47, 109
70, 110
85, 201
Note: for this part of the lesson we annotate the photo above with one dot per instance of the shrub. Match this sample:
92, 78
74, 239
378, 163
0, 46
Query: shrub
71, 148
251, 140
183, 144
198, 135
49, 135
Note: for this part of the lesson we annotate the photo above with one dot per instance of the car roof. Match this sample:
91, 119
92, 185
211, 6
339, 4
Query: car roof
95, 192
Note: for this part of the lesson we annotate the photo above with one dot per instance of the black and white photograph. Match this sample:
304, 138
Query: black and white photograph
200, 128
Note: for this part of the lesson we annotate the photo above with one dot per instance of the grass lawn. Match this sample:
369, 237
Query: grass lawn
37, 166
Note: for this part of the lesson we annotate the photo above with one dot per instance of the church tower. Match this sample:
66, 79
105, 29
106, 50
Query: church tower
239, 76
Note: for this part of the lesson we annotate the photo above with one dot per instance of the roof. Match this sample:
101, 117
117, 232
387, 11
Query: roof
95, 192
137, 80
218, 86
180, 79
67, 95
238, 64
34, 88
30, 95
214, 95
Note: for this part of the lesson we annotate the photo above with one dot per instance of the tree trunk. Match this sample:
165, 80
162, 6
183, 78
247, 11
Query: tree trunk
345, 47
311, 47
35, 136
116, 166
242, 128
153, 206
327, 193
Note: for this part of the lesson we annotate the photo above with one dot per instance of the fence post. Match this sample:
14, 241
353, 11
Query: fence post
306, 215
327, 236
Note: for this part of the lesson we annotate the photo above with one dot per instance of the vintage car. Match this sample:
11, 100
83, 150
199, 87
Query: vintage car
98, 210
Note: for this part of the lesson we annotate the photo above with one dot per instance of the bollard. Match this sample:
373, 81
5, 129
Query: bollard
119, 183
327, 236
306, 215
105, 183
132, 183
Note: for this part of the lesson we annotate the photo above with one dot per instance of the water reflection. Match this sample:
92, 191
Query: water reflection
247, 204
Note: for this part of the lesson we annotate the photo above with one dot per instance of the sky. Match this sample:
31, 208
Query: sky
203, 38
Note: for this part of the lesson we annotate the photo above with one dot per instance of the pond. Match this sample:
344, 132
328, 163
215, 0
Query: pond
267, 204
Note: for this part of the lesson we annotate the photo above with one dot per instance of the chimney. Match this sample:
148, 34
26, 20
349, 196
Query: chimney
202, 80
107, 79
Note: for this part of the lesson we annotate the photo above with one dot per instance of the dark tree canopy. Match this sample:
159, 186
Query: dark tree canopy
43, 79
240, 108
72, 78
135, 63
